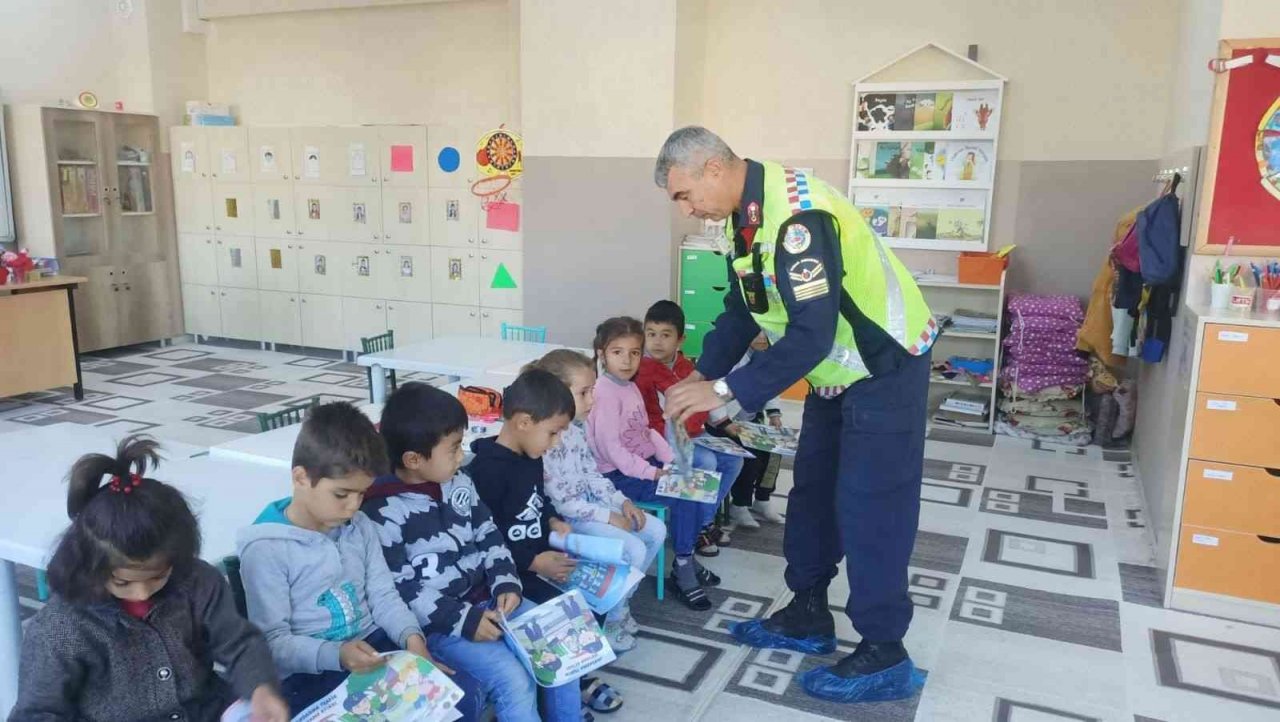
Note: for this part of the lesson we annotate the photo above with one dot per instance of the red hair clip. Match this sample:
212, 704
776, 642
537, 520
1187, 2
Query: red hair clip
118, 485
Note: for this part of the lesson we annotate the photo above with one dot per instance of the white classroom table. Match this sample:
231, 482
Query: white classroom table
224, 495
512, 370
273, 448
460, 356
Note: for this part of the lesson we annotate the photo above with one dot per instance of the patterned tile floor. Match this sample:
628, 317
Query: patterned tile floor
1035, 594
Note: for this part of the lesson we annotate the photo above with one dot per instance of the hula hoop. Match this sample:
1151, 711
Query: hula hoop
482, 187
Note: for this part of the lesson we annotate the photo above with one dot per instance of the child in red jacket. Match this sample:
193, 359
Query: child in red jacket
663, 366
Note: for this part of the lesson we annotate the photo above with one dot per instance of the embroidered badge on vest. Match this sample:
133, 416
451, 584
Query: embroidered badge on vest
753, 213
797, 239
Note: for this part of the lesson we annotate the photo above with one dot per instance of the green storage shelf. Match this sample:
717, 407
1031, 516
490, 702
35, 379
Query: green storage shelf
694, 332
700, 268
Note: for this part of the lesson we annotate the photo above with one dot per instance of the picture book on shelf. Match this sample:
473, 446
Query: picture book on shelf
961, 224
942, 111
924, 111
876, 111
862, 168
926, 223
934, 162
969, 162
893, 160
975, 110
558, 641
407, 688
905, 117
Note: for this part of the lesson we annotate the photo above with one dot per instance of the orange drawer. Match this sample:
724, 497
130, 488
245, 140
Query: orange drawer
1236, 498
1240, 360
1223, 562
1236, 429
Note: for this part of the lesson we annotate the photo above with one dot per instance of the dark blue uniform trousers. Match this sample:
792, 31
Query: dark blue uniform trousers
857, 495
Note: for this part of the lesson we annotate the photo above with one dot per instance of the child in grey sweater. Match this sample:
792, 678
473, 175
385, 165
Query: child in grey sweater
315, 580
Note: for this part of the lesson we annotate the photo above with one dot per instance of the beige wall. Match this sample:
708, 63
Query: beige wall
597, 77
1090, 79
426, 63
51, 50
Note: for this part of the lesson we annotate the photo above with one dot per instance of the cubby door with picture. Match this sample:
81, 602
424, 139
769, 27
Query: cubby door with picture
405, 215
357, 215
404, 155
273, 210
229, 154
316, 210
455, 215
455, 276
501, 279
232, 209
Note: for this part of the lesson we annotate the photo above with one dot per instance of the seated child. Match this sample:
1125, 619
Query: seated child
449, 562
589, 501
507, 471
631, 455
314, 576
759, 475
137, 621
662, 367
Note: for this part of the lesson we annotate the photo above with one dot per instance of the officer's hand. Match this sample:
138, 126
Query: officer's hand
692, 378
688, 398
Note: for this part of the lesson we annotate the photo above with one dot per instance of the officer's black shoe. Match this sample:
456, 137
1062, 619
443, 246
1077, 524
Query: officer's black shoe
805, 625
869, 658
807, 615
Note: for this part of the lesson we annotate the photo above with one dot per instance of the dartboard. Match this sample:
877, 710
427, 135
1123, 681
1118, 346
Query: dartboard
1268, 149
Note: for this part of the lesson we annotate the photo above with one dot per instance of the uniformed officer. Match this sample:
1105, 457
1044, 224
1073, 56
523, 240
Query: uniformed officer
843, 313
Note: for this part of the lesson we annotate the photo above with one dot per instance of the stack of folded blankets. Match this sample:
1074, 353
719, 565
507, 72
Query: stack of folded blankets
1042, 377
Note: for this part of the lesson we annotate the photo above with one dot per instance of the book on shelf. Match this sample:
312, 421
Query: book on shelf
969, 162
862, 167
967, 402
876, 111
934, 162
942, 417
893, 160
942, 111
905, 116
961, 224
924, 111
975, 110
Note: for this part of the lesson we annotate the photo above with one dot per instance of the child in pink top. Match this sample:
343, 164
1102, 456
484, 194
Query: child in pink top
631, 454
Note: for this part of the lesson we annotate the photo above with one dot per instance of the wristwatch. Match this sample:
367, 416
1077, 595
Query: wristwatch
721, 389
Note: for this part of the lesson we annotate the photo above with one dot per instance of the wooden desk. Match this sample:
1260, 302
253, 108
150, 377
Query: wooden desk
39, 348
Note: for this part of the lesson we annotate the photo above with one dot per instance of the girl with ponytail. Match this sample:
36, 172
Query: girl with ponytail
137, 620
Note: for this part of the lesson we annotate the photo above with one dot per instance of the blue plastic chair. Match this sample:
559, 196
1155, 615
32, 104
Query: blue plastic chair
535, 334
42, 585
659, 511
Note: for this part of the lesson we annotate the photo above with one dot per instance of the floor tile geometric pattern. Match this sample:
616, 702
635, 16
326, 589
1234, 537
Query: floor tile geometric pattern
1033, 575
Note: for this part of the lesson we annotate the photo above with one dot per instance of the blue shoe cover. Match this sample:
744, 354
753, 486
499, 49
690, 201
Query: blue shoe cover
900, 681
753, 634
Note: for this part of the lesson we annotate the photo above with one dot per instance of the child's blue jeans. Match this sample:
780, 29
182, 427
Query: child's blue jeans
505, 681
728, 465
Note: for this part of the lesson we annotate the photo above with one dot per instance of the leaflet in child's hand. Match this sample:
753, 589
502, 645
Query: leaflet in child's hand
681, 447
558, 641
782, 441
724, 446
582, 546
604, 586
697, 485
407, 687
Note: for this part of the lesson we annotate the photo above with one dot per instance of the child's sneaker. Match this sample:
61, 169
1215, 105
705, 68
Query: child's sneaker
629, 622
767, 509
684, 583
720, 535
706, 577
705, 547
740, 516
619, 638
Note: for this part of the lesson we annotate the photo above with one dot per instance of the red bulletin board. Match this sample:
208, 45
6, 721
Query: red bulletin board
1238, 199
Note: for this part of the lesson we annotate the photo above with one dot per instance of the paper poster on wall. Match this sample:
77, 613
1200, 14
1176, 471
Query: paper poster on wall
406, 266
188, 158
451, 211
358, 213
273, 209
502, 216
321, 264
406, 212
362, 265
502, 278
449, 159
236, 258
277, 260
267, 159
313, 209
401, 159
356, 159
311, 162
232, 208
228, 162
455, 269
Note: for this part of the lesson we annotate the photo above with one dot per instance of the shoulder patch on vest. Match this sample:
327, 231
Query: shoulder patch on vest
797, 238
808, 279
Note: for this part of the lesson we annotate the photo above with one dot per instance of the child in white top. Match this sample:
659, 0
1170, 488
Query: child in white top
584, 496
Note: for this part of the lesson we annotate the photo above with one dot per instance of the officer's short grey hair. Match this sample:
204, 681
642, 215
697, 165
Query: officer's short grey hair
689, 147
